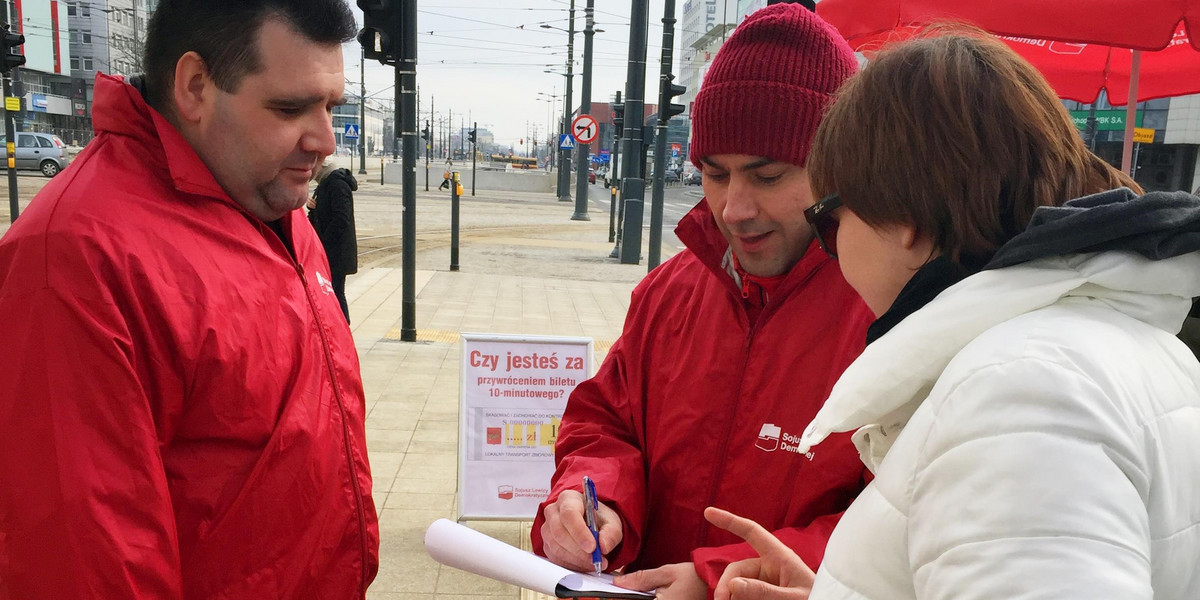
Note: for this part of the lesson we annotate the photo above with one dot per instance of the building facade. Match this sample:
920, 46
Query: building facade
107, 36
372, 131
700, 17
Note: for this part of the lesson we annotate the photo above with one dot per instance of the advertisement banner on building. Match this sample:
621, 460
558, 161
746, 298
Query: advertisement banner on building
44, 25
512, 394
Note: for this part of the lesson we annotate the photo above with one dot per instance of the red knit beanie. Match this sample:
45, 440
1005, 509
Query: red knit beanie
769, 85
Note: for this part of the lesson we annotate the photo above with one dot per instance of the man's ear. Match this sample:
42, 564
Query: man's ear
193, 90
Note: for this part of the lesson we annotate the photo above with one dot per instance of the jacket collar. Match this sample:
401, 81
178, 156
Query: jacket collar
881, 390
699, 232
120, 109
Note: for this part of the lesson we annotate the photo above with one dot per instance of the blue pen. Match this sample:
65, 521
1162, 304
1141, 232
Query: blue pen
590, 506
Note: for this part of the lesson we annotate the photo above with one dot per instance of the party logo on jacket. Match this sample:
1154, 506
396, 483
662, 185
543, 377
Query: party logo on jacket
325, 283
768, 437
772, 437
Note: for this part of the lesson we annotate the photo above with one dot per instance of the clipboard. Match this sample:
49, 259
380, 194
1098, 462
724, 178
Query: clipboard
464, 548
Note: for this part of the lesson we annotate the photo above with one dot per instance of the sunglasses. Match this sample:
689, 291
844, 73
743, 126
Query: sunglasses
824, 226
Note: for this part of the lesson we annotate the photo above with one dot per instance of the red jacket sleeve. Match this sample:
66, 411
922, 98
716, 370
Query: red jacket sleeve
84, 506
599, 437
807, 542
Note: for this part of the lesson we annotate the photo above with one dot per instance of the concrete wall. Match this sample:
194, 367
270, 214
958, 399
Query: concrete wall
496, 181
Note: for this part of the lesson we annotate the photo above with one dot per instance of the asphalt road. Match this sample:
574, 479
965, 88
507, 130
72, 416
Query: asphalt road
677, 201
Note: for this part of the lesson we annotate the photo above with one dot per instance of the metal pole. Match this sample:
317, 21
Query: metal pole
362, 113
660, 140
454, 197
564, 156
633, 185
431, 124
406, 87
474, 152
612, 214
14, 207
585, 107
1131, 114
615, 182
1092, 127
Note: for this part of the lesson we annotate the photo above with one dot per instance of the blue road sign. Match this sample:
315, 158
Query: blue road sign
566, 142
351, 131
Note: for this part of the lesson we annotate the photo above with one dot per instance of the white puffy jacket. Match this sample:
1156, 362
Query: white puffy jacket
1035, 433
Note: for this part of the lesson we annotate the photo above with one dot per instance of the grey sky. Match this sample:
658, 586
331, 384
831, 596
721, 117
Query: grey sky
486, 58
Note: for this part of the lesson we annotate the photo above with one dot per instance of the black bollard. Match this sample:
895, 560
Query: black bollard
454, 221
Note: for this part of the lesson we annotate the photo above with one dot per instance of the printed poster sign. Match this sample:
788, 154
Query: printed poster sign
513, 392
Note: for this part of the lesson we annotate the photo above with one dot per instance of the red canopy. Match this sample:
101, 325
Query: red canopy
1080, 46
1134, 24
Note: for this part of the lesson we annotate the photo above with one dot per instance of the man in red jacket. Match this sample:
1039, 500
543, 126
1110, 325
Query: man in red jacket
729, 348
181, 408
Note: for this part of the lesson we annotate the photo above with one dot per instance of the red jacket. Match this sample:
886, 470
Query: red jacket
181, 408
671, 423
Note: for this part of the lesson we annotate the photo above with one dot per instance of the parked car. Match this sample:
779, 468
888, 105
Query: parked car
692, 178
38, 152
591, 176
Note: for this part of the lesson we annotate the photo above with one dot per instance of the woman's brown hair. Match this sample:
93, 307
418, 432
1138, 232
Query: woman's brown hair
957, 136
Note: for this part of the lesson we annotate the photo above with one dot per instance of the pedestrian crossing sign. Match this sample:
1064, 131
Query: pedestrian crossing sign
566, 142
351, 131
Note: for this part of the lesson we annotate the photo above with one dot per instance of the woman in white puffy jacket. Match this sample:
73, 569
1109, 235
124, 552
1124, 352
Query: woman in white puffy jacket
1032, 421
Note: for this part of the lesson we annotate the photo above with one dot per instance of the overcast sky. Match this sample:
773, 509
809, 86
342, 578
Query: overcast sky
485, 59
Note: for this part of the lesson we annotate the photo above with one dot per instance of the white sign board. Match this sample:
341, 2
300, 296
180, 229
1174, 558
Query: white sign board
512, 396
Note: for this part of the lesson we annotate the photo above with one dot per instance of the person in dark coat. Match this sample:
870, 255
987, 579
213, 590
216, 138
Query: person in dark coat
331, 211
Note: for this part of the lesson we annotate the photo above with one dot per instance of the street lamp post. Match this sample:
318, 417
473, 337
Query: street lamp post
585, 106
564, 156
362, 113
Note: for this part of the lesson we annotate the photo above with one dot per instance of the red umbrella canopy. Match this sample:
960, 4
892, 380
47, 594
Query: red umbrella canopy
1134, 24
1080, 46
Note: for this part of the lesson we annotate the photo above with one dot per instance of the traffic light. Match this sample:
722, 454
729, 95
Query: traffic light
381, 32
618, 109
12, 56
425, 132
669, 91
471, 136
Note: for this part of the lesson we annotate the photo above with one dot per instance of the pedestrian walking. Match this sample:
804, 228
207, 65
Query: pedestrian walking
446, 175
728, 347
1029, 415
181, 408
331, 213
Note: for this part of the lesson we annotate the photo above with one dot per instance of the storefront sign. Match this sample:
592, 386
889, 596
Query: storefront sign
1106, 120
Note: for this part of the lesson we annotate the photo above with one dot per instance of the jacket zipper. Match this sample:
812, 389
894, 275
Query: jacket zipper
737, 399
337, 394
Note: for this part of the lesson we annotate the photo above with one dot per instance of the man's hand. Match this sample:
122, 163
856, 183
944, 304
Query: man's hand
777, 573
311, 203
566, 539
669, 582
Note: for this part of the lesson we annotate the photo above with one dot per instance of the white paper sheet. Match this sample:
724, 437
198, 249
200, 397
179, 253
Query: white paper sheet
464, 548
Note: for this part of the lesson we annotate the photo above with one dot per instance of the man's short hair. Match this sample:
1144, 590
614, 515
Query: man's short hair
225, 34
